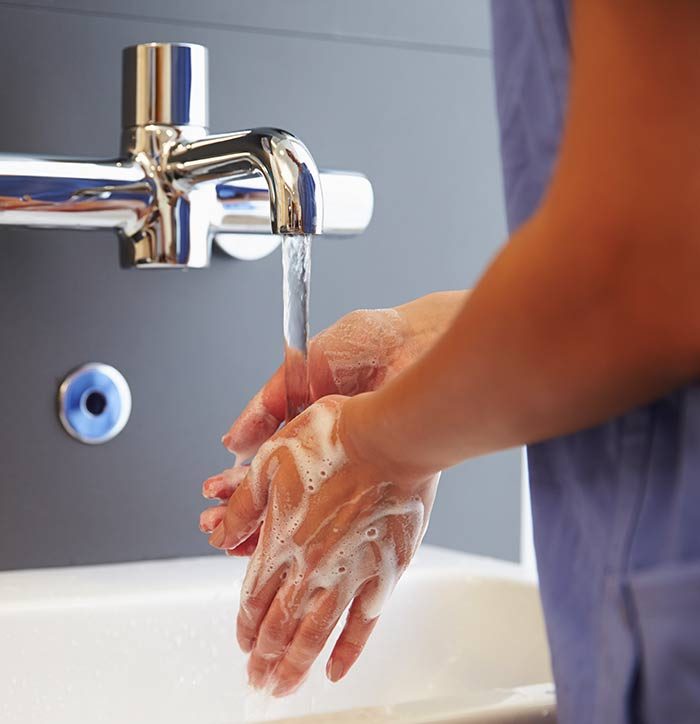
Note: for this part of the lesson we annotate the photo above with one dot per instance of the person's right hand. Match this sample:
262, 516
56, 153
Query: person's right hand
359, 353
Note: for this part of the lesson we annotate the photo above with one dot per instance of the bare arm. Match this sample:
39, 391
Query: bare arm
594, 305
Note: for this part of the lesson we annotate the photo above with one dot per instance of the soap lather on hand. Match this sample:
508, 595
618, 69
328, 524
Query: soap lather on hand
327, 526
337, 531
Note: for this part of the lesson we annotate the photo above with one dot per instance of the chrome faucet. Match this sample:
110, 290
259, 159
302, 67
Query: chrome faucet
175, 188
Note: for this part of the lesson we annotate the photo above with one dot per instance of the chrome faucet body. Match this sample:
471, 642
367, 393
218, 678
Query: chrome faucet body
175, 188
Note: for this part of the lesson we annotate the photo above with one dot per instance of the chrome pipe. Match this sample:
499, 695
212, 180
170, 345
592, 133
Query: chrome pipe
175, 187
165, 84
58, 193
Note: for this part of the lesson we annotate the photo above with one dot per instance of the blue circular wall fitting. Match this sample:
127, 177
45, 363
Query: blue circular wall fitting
94, 403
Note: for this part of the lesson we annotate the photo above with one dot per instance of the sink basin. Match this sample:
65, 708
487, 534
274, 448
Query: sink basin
461, 640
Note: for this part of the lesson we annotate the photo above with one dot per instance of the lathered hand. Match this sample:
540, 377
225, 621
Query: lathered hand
359, 353
356, 354
337, 531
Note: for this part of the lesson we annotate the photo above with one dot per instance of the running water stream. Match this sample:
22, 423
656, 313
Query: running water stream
296, 270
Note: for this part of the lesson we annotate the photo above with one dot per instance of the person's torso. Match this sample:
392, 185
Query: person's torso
617, 507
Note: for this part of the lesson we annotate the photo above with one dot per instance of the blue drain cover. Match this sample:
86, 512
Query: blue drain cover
94, 403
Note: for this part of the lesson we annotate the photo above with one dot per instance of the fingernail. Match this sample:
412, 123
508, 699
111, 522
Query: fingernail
216, 539
336, 670
208, 520
206, 489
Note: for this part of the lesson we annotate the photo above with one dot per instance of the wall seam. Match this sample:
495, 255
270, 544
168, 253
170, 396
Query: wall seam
446, 49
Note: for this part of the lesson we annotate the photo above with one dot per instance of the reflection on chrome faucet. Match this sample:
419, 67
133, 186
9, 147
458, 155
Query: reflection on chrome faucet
175, 187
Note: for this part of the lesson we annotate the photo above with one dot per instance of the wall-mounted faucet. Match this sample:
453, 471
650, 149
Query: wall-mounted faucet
175, 187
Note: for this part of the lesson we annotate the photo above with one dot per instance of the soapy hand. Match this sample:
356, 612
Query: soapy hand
359, 353
337, 530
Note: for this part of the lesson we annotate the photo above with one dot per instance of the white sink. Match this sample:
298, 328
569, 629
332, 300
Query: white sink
462, 640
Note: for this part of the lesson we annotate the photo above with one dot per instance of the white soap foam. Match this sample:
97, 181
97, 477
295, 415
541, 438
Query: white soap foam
317, 452
376, 547
361, 347
385, 531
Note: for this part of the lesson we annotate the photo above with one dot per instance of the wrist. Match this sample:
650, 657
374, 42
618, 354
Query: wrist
368, 434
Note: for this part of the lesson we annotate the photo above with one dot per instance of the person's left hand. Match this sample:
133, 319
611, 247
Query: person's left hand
338, 530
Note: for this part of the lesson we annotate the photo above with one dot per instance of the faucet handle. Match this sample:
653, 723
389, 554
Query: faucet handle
165, 84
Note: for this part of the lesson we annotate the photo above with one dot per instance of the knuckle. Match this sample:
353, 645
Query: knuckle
253, 604
273, 634
290, 671
312, 637
351, 647
241, 509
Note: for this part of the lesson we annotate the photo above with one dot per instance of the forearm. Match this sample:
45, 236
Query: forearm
592, 307
562, 332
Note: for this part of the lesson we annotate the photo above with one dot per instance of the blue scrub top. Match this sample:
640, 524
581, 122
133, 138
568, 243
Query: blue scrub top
617, 507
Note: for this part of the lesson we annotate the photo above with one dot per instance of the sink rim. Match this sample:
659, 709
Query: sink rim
190, 577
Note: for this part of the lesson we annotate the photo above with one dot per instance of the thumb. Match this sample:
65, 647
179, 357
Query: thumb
259, 419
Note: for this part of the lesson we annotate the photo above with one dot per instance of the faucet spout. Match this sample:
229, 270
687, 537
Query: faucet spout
175, 189
293, 180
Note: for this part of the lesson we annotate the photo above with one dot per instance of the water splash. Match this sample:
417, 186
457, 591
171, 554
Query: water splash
296, 269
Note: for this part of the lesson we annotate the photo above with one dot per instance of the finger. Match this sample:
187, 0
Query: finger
274, 634
247, 548
322, 381
308, 642
356, 631
221, 486
255, 605
243, 515
211, 517
259, 419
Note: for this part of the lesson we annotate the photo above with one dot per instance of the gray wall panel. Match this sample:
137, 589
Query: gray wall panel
453, 26
195, 345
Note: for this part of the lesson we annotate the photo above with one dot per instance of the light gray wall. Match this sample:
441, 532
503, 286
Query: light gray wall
399, 90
